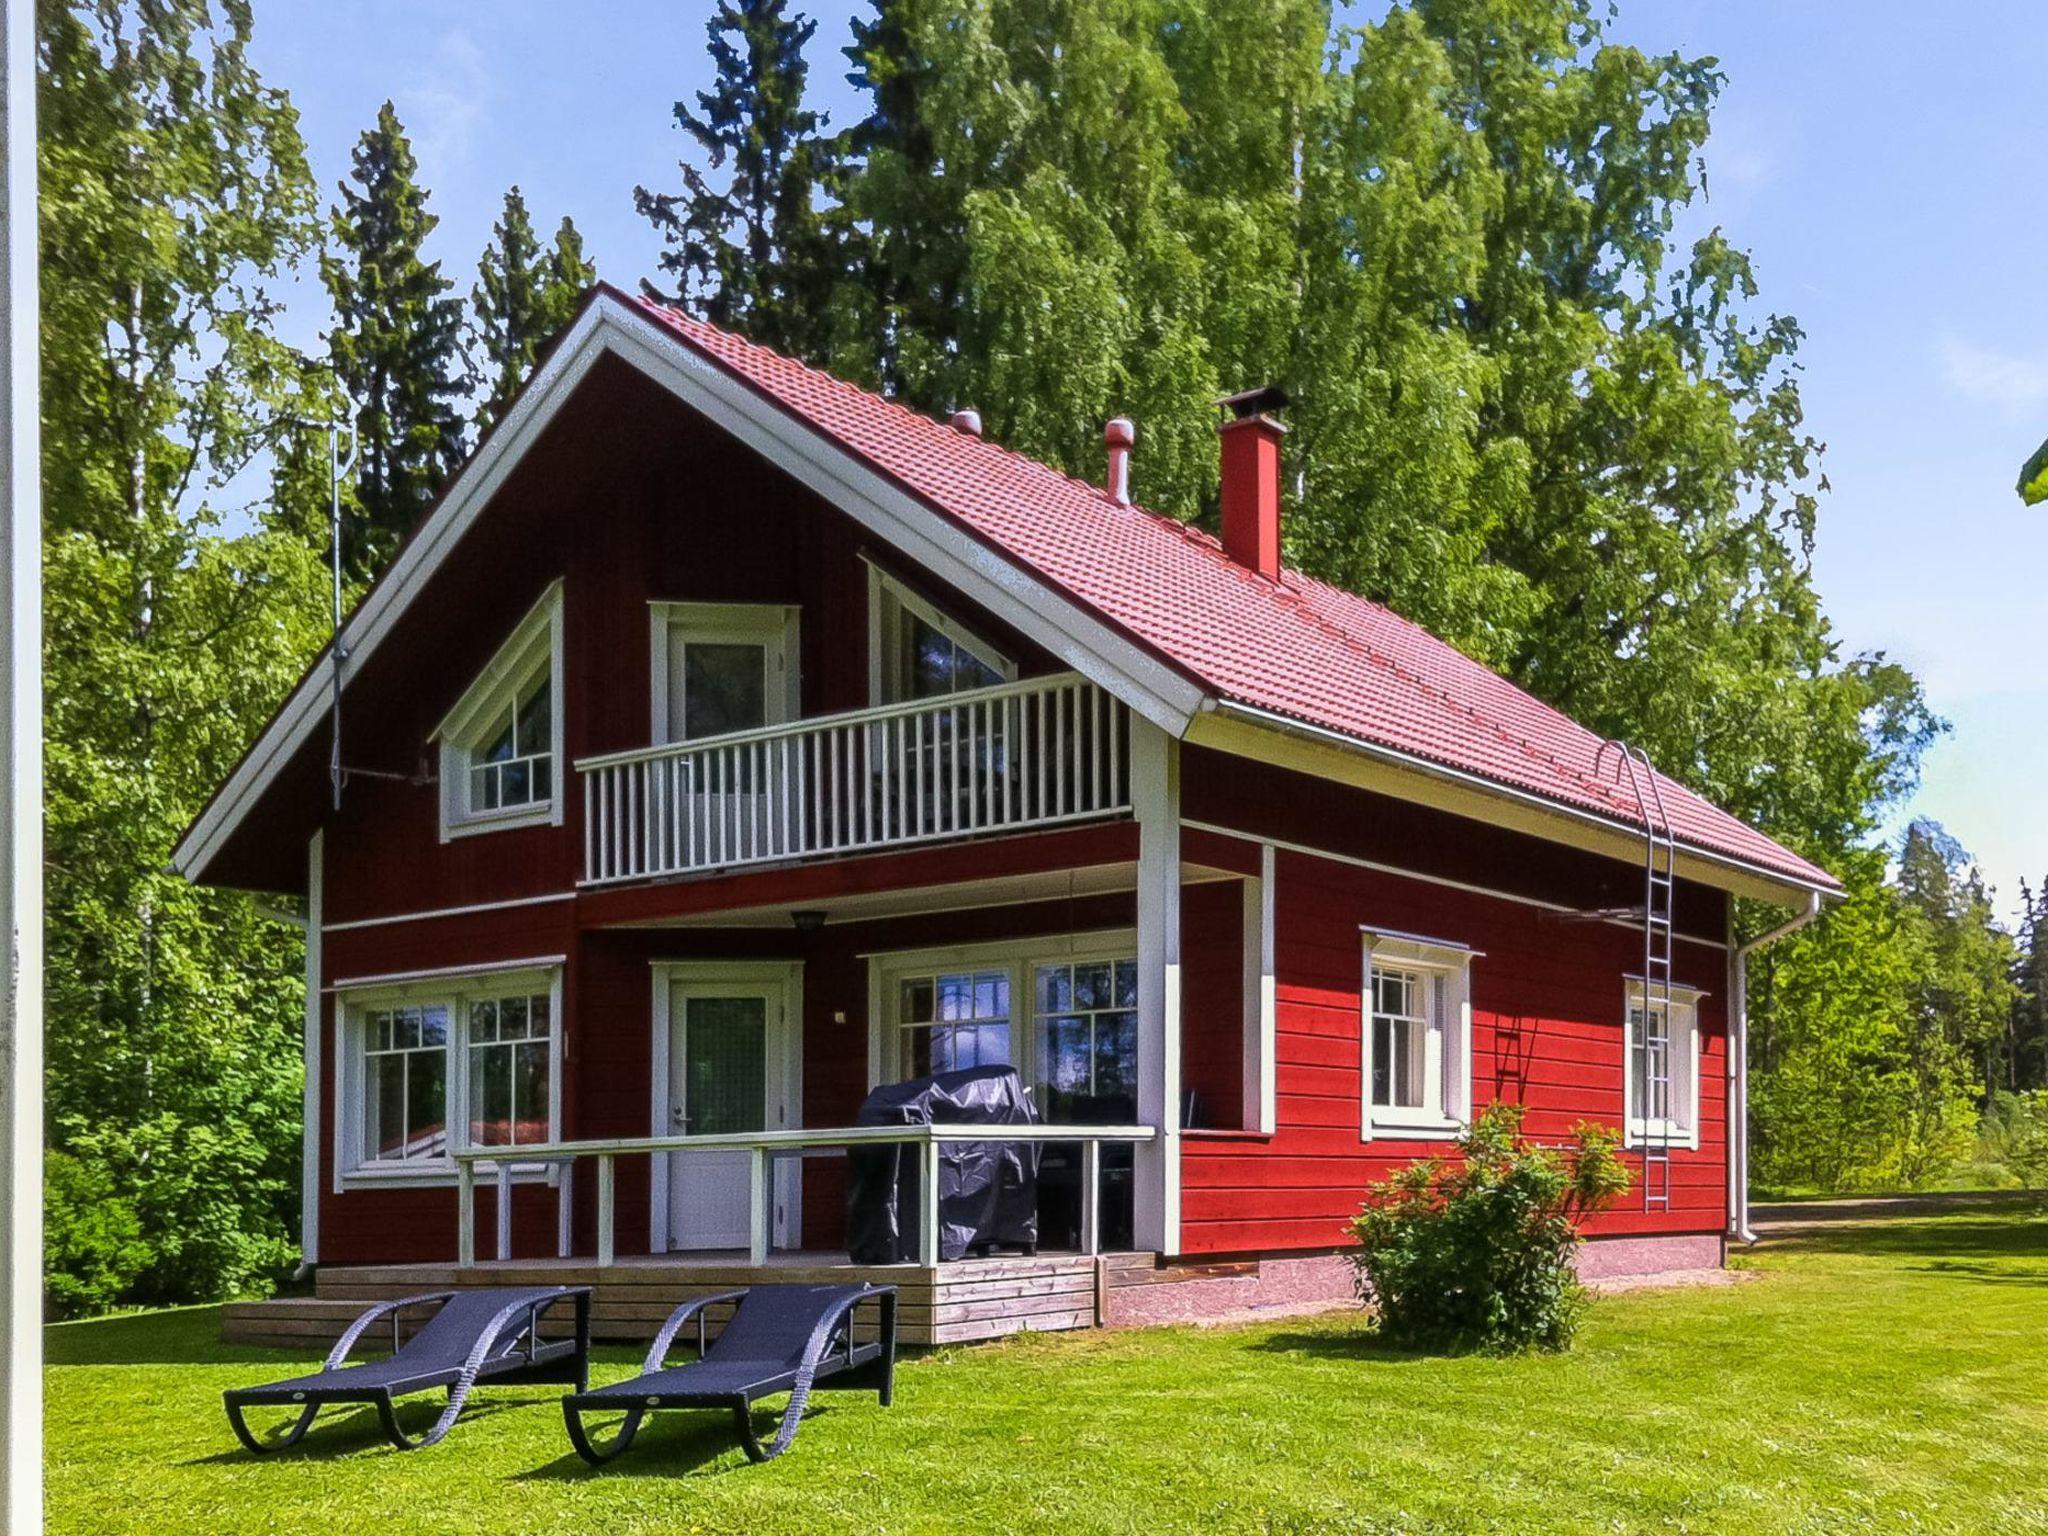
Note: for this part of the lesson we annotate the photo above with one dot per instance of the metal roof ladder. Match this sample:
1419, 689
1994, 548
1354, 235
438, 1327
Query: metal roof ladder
1649, 1048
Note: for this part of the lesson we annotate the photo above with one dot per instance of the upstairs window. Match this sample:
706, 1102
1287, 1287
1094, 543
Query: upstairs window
916, 651
1415, 1047
1661, 1082
501, 746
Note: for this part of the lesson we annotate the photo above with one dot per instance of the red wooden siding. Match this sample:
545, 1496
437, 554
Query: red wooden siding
1547, 1000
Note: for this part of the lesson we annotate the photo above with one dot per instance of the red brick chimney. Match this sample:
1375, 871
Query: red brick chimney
1251, 478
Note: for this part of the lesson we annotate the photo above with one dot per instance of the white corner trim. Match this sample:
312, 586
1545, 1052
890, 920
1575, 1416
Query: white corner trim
1260, 1111
1155, 800
315, 1025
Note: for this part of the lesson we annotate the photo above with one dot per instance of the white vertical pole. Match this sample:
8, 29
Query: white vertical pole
757, 1205
21, 795
1155, 796
928, 1206
565, 1210
309, 1148
465, 1213
607, 1212
1091, 1197
504, 1210
1737, 1171
1260, 999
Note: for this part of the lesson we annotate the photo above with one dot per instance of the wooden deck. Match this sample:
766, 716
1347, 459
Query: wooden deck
957, 1303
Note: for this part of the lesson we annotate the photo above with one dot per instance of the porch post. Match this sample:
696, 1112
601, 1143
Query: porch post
1155, 797
465, 1213
1259, 998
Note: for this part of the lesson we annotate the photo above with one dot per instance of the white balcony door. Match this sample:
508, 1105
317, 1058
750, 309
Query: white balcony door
720, 668
725, 1051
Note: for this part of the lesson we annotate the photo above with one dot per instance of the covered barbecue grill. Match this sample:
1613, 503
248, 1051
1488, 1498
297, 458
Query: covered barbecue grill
988, 1190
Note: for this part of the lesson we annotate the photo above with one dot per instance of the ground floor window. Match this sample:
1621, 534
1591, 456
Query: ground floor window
1661, 1083
1415, 1042
954, 1019
427, 1062
1075, 1043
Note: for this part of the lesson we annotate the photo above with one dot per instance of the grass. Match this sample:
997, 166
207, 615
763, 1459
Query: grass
1887, 1375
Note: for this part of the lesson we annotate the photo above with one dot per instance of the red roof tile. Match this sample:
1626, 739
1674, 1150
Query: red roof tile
1297, 647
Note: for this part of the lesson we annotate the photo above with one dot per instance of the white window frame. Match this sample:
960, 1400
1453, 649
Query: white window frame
1447, 966
888, 599
1682, 1130
775, 626
353, 1167
533, 649
888, 1058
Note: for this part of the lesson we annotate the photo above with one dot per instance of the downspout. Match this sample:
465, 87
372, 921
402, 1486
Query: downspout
1738, 1063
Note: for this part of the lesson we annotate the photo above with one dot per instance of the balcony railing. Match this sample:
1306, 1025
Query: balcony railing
1023, 755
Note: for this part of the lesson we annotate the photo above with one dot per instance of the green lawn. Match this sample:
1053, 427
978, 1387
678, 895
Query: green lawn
1886, 1376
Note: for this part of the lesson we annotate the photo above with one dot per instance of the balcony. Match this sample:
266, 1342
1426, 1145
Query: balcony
1025, 755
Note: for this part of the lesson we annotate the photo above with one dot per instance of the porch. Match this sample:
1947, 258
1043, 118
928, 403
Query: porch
961, 1302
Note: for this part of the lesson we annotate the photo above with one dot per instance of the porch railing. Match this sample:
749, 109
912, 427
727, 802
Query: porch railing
763, 1147
1022, 755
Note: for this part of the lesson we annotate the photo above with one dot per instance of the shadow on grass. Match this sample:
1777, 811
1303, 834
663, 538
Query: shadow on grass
2017, 1235
677, 1442
1346, 1344
171, 1336
352, 1429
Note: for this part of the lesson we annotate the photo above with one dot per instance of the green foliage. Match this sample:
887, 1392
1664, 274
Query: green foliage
2033, 486
754, 253
2013, 1134
93, 1249
1476, 1252
1525, 417
2024, 1059
523, 296
1871, 1030
174, 191
395, 346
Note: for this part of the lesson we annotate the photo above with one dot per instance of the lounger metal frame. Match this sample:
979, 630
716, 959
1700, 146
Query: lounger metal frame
820, 1367
531, 1360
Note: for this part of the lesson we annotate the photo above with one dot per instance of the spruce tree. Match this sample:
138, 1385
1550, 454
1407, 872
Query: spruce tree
523, 296
753, 253
396, 343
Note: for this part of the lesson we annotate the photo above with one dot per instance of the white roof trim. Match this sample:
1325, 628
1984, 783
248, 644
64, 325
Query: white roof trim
610, 324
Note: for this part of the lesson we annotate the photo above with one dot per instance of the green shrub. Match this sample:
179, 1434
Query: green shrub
1475, 1252
92, 1242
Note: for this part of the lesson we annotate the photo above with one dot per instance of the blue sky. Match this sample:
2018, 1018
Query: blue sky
1882, 162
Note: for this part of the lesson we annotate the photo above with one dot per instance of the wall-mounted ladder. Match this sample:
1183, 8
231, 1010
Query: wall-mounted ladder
1650, 1067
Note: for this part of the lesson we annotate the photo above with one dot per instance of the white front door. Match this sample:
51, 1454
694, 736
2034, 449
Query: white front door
725, 1075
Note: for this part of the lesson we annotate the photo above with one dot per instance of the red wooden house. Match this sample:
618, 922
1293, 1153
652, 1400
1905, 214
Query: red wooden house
729, 740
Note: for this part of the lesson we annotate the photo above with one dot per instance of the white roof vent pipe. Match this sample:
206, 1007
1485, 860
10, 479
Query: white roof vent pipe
1118, 436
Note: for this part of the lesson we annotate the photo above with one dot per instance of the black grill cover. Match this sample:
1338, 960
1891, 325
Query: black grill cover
988, 1190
